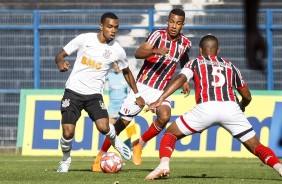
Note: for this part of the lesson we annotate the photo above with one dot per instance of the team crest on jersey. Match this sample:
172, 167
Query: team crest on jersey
65, 103
107, 54
102, 105
180, 48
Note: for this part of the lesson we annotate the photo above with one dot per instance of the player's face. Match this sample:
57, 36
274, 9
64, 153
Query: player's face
110, 28
116, 68
175, 24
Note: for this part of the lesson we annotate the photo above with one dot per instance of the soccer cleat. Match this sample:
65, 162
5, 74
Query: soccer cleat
158, 173
96, 167
280, 171
137, 152
121, 148
64, 165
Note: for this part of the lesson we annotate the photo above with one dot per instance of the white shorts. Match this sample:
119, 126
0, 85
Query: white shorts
225, 114
129, 109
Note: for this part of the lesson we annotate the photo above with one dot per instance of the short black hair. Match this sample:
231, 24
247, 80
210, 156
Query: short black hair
207, 38
108, 15
177, 11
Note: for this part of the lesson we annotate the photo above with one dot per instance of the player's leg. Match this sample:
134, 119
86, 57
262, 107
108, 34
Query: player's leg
265, 154
238, 125
98, 113
167, 145
70, 109
118, 126
163, 115
185, 125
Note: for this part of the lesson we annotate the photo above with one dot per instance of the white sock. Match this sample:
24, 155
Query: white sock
66, 146
164, 164
112, 133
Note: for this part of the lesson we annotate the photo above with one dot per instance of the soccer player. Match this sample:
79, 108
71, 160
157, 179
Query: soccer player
118, 90
162, 51
84, 87
214, 78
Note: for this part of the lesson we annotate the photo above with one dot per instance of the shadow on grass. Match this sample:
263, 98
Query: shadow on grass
202, 176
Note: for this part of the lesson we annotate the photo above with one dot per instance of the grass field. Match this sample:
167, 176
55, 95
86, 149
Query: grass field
33, 170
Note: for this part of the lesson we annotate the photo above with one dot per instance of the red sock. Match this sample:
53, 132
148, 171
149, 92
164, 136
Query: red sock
266, 155
167, 145
106, 145
152, 131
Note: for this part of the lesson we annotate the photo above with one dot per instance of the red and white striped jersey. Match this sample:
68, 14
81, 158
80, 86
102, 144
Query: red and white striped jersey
214, 78
157, 70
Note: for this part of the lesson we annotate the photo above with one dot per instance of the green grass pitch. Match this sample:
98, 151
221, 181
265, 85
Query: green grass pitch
35, 170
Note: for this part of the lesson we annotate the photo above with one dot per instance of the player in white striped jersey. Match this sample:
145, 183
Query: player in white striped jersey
96, 52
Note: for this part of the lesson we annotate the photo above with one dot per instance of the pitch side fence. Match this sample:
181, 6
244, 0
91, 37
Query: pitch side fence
29, 41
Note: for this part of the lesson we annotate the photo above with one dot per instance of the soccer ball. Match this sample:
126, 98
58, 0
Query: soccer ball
111, 163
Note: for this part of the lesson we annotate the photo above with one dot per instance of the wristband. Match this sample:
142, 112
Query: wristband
137, 95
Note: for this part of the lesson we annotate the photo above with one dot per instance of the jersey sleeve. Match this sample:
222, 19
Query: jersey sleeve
122, 60
238, 83
188, 69
74, 44
153, 38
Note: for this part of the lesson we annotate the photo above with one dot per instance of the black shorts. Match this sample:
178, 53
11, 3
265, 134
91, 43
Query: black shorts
73, 103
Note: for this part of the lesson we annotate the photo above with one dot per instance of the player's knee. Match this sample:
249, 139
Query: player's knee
163, 118
102, 126
68, 131
68, 135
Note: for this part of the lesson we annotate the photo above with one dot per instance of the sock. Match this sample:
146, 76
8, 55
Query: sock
106, 145
267, 156
119, 127
112, 133
167, 145
152, 131
66, 146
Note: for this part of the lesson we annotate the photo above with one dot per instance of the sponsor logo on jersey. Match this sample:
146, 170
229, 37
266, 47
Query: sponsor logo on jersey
91, 63
145, 77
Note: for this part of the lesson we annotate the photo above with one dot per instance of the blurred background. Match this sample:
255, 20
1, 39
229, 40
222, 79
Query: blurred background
33, 31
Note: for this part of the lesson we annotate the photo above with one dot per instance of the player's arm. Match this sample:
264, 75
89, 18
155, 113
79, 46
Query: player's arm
174, 85
246, 97
62, 64
131, 81
145, 50
186, 86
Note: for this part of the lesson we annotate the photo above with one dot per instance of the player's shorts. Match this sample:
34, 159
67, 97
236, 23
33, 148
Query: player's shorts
225, 114
114, 107
73, 103
129, 109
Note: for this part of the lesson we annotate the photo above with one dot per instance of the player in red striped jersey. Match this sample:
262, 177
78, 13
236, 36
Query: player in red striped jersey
162, 51
214, 79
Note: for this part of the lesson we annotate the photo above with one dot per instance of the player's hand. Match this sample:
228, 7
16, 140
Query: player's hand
186, 89
256, 50
153, 106
161, 51
63, 66
140, 102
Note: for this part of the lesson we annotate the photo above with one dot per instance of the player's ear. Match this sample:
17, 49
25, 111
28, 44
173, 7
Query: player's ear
101, 26
218, 51
201, 51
